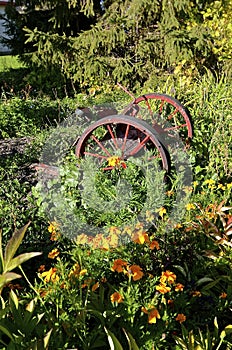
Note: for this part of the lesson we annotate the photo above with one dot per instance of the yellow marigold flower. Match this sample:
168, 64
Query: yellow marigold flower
83, 272
113, 161
223, 295
168, 276
177, 226
140, 237
53, 254
169, 193
195, 183
119, 265
229, 185
162, 288
50, 275
190, 206
77, 271
53, 226
116, 298
179, 287
162, 211
181, 318
154, 244
221, 186
95, 286
209, 182
136, 272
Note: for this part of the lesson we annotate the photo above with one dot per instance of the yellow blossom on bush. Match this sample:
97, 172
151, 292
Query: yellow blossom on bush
82, 239
181, 318
196, 293
190, 206
136, 272
168, 276
162, 288
119, 265
53, 229
113, 161
53, 254
179, 287
209, 182
116, 298
162, 211
140, 237
77, 271
50, 275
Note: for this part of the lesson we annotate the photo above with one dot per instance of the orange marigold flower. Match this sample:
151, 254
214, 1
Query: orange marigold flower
152, 312
119, 265
181, 318
162, 288
140, 237
53, 254
95, 286
154, 244
179, 287
168, 276
223, 295
41, 268
196, 293
136, 272
50, 275
116, 298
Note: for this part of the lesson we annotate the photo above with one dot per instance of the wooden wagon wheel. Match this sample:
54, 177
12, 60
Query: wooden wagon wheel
163, 108
114, 139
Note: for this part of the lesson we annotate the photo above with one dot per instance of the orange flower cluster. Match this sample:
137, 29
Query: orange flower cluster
169, 278
116, 298
53, 228
50, 276
134, 271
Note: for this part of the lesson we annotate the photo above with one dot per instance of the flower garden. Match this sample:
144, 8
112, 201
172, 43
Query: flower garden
133, 286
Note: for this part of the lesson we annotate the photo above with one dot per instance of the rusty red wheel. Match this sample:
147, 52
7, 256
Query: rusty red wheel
167, 114
114, 139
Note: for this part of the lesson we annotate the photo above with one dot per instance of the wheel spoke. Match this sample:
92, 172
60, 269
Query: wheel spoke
175, 127
125, 138
112, 136
101, 145
95, 155
140, 146
172, 114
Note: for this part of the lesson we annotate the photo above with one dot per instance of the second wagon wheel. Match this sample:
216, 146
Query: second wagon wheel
114, 139
166, 113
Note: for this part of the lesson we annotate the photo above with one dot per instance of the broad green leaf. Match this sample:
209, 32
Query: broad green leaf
204, 280
8, 277
1, 254
14, 299
15, 262
131, 342
113, 341
7, 332
14, 243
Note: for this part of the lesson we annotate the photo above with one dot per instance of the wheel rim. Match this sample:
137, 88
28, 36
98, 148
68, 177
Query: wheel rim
119, 137
167, 114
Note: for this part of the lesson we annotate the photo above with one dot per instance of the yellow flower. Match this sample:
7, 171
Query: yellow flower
116, 298
169, 193
177, 226
181, 318
136, 272
221, 186
77, 271
119, 265
229, 185
196, 293
50, 275
195, 183
82, 239
113, 161
53, 254
53, 229
140, 237
162, 211
209, 182
154, 244
179, 287
190, 206
168, 276
162, 288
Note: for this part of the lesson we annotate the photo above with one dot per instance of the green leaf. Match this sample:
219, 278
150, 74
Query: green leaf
113, 341
46, 339
131, 341
15, 262
8, 277
204, 280
1, 253
14, 298
14, 243
7, 332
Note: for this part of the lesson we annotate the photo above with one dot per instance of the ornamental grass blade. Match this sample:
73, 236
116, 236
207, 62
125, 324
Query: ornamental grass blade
1, 253
131, 342
14, 243
113, 341
18, 260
